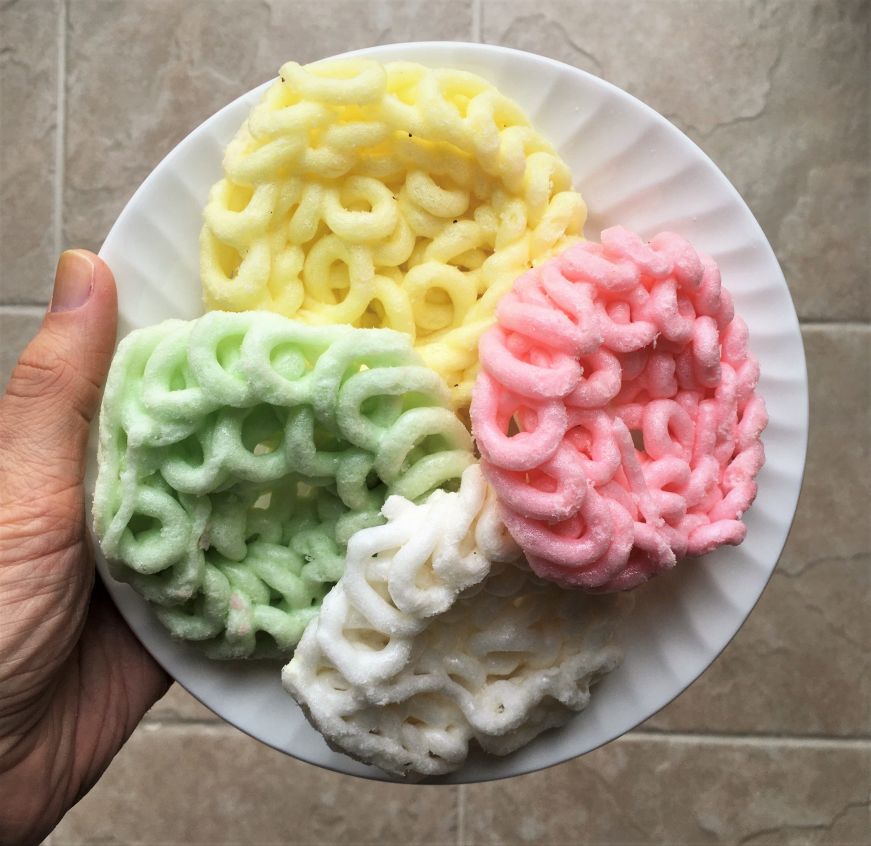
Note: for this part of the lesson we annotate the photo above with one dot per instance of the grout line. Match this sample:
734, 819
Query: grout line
838, 324
180, 725
60, 129
180, 722
476, 20
461, 815
813, 741
23, 308
761, 740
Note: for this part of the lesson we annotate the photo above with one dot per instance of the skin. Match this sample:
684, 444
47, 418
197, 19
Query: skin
74, 681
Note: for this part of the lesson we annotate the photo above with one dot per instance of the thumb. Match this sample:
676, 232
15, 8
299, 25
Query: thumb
54, 390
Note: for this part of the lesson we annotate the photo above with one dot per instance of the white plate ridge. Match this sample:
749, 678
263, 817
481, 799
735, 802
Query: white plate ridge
634, 168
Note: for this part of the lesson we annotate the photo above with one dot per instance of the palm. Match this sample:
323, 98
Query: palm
88, 679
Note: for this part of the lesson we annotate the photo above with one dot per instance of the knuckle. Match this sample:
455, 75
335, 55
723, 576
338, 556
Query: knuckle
40, 373
61, 385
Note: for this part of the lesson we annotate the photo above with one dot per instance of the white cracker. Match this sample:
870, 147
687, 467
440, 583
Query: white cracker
438, 635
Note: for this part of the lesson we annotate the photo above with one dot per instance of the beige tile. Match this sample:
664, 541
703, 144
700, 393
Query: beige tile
28, 104
213, 785
676, 792
17, 327
179, 706
663, 70
774, 92
801, 663
175, 62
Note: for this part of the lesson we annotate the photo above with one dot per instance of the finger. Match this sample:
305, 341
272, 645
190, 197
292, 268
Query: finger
54, 390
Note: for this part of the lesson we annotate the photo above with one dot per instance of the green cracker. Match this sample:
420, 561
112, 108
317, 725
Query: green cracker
239, 452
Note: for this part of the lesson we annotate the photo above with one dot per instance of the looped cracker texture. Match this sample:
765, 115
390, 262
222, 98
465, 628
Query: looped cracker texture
616, 411
431, 639
386, 196
239, 452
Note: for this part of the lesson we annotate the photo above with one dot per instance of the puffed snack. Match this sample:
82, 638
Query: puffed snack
616, 411
386, 195
437, 635
239, 452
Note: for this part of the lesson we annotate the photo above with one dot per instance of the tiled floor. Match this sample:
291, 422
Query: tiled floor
773, 744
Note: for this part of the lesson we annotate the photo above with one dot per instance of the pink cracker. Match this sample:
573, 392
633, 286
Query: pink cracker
628, 380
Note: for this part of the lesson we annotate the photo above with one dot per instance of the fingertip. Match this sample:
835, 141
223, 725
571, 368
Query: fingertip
102, 270
82, 280
103, 290
105, 293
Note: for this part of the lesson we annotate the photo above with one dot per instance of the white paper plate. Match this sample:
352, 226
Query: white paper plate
633, 167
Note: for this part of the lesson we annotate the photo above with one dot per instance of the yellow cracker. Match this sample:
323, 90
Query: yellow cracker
386, 195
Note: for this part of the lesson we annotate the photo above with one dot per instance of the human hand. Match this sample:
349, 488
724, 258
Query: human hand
74, 681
